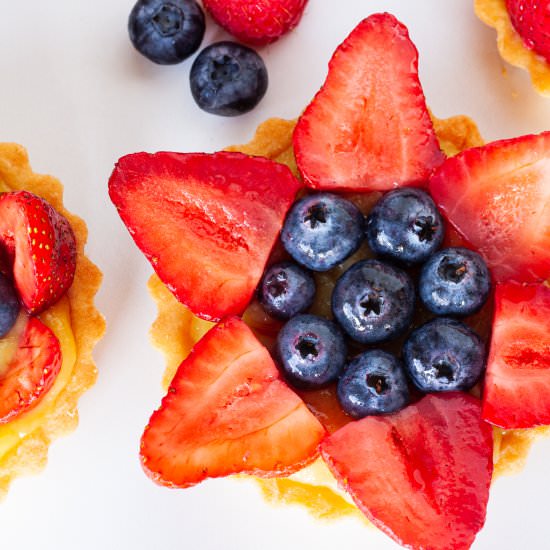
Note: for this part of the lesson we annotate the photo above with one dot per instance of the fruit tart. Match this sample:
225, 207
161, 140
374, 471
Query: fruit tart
332, 294
48, 322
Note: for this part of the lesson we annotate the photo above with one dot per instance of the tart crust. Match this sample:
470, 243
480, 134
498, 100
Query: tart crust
29, 455
176, 330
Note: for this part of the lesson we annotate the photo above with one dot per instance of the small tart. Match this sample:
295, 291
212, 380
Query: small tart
510, 45
74, 320
176, 330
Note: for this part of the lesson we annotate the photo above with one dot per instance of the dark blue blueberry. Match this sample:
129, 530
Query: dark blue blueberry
405, 225
322, 230
228, 79
373, 383
455, 281
444, 355
166, 31
9, 305
286, 289
373, 301
311, 351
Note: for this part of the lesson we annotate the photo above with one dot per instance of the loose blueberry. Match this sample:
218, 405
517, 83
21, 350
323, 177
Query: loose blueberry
166, 31
311, 351
373, 301
286, 289
444, 355
455, 281
322, 230
405, 225
373, 383
9, 305
228, 79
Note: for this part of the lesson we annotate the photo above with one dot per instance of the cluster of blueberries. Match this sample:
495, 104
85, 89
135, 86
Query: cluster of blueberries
226, 78
373, 301
9, 305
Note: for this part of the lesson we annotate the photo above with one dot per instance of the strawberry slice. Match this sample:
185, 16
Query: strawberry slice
517, 383
227, 411
498, 197
368, 128
41, 247
421, 475
32, 368
206, 222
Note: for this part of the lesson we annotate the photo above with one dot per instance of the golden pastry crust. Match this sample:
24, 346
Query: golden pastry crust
176, 329
30, 454
510, 45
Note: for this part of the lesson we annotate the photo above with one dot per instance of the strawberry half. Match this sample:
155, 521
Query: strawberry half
498, 197
206, 222
256, 22
368, 128
421, 475
41, 247
227, 411
517, 383
32, 369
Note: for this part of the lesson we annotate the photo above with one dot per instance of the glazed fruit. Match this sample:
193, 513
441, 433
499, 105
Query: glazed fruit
206, 222
405, 226
285, 290
228, 79
531, 19
369, 129
166, 31
311, 351
322, 230
373, 383
373, 301
517, 384
455, 281
421, 475
498, 197
41, 248
227, 411
444, 355
256, 22
9, 305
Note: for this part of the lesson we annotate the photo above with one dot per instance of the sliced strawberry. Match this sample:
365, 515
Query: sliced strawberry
41, 246
227, 411
206, 222
31, 370
368, 128
421, 475
498, 197
517, 383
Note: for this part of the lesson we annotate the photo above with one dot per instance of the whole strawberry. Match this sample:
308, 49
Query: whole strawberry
531, 19
256, 22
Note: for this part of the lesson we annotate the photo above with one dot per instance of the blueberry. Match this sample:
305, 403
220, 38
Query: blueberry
9, 305
311, 351
228, 79
405, 225
373, 301
444, 355
455, 281
322, 230
166, 31
373, 383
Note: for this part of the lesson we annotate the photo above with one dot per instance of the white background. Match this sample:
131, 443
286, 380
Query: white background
76, 94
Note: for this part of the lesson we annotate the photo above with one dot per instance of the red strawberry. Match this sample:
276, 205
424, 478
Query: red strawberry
531, 19
517, 383
421, 475
256, 22
498, 197
206, 222
41, 247
31, 372
368, 128
227, 411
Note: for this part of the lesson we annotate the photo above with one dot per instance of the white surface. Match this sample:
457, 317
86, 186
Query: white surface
76, 94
